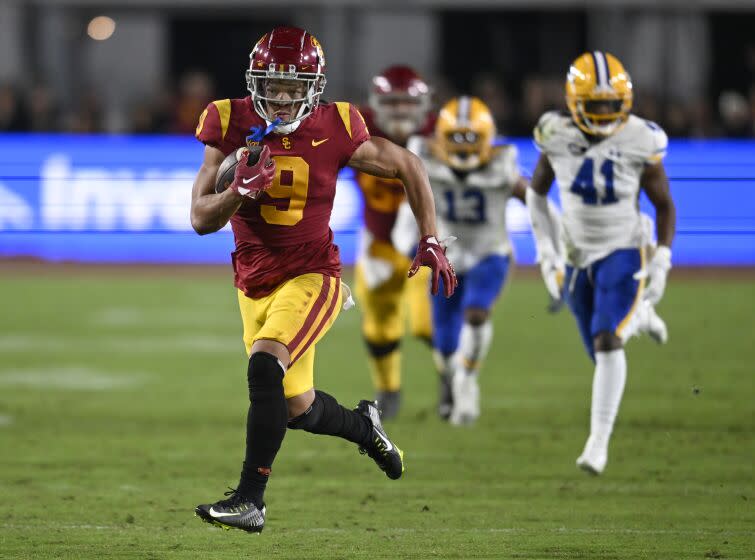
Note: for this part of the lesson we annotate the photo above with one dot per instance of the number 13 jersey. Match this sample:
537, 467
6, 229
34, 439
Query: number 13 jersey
472, 206
599, 182
286, 233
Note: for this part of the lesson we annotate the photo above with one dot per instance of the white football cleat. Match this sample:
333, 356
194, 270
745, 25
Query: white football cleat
466, 392
594, 457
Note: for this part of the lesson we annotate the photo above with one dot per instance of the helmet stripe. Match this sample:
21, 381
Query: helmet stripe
606, 69
601, 67
463, 111
595, 68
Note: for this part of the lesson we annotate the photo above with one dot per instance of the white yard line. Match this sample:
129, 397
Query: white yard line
155, 344
75, 378
184, 318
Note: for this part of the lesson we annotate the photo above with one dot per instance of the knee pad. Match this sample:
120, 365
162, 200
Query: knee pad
264, 375
606, 341
444, 363
380, 350
476, 316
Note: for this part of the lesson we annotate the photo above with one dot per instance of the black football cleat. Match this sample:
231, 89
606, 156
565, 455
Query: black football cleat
234, 512
388, 403
382, 450
445, 397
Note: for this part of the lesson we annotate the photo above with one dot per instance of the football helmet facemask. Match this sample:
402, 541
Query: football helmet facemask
464, 134
598, 93
286, 76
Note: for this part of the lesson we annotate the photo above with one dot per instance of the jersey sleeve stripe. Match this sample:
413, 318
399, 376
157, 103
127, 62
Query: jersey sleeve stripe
326, 320
202, 117
224, 110
345, 113
361, 116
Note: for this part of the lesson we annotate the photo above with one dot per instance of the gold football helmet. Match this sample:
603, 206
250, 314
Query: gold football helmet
464, 134
598, 93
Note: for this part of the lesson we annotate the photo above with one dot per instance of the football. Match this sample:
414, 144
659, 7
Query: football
227, 169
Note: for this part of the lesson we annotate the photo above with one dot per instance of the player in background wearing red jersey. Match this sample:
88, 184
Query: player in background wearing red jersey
399, 107
287, 269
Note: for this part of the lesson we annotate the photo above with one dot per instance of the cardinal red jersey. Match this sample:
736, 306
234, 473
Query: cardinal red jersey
382, 197
285, 232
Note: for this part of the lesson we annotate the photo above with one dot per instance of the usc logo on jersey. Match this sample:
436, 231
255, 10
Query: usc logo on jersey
286, 143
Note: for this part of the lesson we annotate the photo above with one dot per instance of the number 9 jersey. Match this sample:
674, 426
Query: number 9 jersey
599, 182
285, 232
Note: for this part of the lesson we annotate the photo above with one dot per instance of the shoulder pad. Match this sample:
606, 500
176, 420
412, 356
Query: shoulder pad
547, 129
352, 119
505, 163
506, 151
658, 142
649, 141
213, 122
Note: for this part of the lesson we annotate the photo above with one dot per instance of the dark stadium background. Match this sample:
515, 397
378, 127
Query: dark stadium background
513, 54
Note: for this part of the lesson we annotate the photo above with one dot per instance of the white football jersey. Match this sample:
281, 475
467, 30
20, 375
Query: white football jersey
599, 182
472, 207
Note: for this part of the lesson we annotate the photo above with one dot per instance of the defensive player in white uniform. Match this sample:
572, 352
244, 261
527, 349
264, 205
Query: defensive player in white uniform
472, 182
600, 156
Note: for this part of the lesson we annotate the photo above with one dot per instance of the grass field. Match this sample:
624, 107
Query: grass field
122, 404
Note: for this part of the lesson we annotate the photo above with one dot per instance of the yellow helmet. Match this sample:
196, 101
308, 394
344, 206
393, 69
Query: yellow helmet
464, 133
598, 93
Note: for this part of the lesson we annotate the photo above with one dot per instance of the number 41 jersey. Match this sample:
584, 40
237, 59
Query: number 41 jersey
286, 233
599, 182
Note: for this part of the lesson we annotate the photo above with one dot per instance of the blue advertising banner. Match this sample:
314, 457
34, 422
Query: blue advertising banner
126, 199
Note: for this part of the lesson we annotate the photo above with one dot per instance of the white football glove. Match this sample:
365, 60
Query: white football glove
656, 272
552, 270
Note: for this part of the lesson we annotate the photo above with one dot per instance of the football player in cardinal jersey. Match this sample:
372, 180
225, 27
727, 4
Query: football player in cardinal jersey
399, 106
601, 155
472, 182
287, 269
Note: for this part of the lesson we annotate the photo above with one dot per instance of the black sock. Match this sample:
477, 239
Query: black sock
326, 416
265, 424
